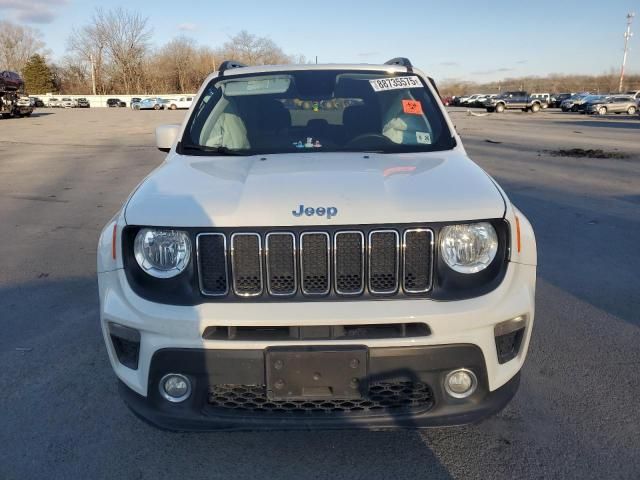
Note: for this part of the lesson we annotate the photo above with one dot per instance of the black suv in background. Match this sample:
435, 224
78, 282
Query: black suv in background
115, 102
513, 101
82, 103
558, 98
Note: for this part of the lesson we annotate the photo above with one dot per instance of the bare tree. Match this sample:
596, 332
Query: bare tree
88, 46
179, 57
126, 38
253, 50
17, 45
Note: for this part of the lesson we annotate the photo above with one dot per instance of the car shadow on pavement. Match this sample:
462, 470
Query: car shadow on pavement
64, 404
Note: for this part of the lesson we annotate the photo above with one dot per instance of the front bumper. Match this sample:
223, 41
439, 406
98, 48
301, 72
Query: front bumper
410, 365
167, 328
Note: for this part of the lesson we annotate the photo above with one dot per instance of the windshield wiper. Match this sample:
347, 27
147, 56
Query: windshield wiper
219, 150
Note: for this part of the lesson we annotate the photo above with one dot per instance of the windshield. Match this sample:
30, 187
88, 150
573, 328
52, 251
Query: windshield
316, 110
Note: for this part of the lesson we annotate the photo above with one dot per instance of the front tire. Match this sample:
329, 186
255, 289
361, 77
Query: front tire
156, 107
500, 108
173, 107
602, 111
632, 110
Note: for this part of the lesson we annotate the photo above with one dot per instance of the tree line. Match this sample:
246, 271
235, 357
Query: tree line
113, 54
554, 83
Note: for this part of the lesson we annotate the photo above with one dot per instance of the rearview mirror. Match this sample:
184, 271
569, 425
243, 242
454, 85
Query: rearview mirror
166, 136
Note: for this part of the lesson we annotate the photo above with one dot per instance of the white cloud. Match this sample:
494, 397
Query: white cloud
185, 27
32, 11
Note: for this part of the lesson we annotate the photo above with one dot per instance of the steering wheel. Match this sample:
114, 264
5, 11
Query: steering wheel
367, 136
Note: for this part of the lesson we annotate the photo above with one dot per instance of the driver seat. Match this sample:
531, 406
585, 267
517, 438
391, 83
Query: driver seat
359, 120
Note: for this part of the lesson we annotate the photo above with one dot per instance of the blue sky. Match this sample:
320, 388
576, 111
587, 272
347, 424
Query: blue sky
462, 39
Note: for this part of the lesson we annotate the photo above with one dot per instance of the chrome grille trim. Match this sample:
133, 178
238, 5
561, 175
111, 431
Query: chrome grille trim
397, 262
301, 252
294, 260
233, 273
430, 270
335, 262
226, 267
393, 264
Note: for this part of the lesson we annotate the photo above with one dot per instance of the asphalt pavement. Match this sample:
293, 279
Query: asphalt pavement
64, 173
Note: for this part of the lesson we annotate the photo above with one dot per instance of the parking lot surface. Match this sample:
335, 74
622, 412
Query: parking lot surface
64, 173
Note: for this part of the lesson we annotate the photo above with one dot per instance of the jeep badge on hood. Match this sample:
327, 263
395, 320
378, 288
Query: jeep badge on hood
329, 212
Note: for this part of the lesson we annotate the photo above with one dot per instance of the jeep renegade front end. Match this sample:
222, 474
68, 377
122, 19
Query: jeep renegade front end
316, 251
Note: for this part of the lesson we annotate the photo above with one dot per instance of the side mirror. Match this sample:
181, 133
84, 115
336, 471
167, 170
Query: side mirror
166, 136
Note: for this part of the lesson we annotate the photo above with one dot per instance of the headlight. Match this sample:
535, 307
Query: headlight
468, 248
162, 253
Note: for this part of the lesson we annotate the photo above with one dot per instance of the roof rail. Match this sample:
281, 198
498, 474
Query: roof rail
227, 64
402, 61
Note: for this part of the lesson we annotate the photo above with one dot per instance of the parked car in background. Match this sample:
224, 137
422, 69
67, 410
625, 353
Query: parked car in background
53, 102
571, 104
448, 100
179, 103
459, 101
134, 101
517, 100
613, 104
67, 102
115, 102
470, 100
25, 101
635, 94
582, 105
83, 103
151, 104
38, 102
482, 102
558, 98
545, 98
478, 101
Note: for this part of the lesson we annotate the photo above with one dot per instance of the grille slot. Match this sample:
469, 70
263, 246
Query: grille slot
314, 263
281, 263
384, 261
349, 263
212, 264
417, 260
398, 397
246, 264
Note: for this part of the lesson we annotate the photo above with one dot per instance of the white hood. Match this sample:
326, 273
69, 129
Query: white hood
264, 190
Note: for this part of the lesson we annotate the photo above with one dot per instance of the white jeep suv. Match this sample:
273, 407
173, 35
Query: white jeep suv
316, 251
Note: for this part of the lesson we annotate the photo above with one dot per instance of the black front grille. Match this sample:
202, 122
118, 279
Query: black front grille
314, 250
398, 397
349, 262
212, 263
246, 264
417, 260
336, 263
281, 263
384, 250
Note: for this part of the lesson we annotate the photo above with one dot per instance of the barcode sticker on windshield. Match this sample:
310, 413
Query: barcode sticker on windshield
423, 137
395, 83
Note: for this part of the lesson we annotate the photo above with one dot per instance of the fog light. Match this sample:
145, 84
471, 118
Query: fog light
175, 387
460, 383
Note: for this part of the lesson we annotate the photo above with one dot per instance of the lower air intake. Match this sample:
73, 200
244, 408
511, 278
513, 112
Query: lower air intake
400, 397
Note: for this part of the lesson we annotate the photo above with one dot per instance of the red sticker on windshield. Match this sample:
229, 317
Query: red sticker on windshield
412, 107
